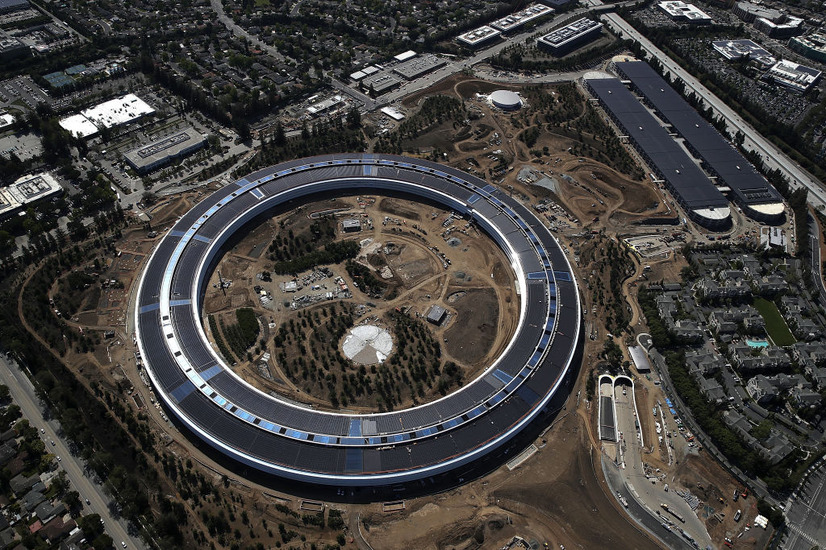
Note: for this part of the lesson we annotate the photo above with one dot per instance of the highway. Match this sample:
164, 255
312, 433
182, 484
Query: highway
772, 157
816, 262
22, 391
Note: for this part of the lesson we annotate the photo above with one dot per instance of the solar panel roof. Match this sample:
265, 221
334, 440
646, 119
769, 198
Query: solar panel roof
673, 163
721, 157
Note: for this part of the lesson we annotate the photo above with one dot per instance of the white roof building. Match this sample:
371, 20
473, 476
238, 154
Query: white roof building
680, 11
106, 115
404, 56
26, 190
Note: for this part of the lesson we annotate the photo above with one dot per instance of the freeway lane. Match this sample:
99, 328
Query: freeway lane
772, 157
23, 393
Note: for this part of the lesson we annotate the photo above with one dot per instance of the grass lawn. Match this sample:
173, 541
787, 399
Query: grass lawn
775, 325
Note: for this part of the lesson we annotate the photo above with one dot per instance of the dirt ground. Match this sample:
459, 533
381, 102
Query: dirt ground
415, 242
558, 495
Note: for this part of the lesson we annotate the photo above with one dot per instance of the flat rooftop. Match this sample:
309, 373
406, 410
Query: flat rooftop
738, 49
13, 5
570, 32
404, 56
118, 111
6, 119
106, 115
26, 190
519, 18
325, 104
79, 126
696, 190
165, 147
793, 75
381, 82
478, 35
815, 41
419, 66
677, 9
721, 157
760, 10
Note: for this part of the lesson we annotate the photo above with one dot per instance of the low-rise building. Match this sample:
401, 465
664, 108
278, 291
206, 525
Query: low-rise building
804, 398
565, 39
812, 46
685, 13
761, 390
735, 50
162, 151
516, 20
351, 225
794, 76
704, 363
479, 37
712, 390
436, 314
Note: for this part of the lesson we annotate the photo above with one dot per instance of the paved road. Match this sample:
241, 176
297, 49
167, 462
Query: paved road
650, 495
815, 260
481, 56
23, 393
772, 157
805, 512
232, 27
642, 516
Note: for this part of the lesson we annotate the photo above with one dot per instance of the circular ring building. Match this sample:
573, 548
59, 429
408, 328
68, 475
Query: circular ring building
280, 437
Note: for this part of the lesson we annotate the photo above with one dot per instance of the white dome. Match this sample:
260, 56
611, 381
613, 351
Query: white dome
505, 100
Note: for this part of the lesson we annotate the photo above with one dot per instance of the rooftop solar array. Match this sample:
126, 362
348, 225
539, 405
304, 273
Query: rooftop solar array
276, 435
720, 156
694, 190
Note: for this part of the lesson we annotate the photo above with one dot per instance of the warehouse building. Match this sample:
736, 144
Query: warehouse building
380, 83
565, 39
109, 114
150, 157
405, 56
419, 66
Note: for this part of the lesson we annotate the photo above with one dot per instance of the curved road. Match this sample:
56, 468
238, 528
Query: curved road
22, 391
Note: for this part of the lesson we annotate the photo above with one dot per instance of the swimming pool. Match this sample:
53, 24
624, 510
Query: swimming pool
757, 343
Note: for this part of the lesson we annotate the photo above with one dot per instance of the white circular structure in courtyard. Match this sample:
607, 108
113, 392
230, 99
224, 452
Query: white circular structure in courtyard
367, 344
